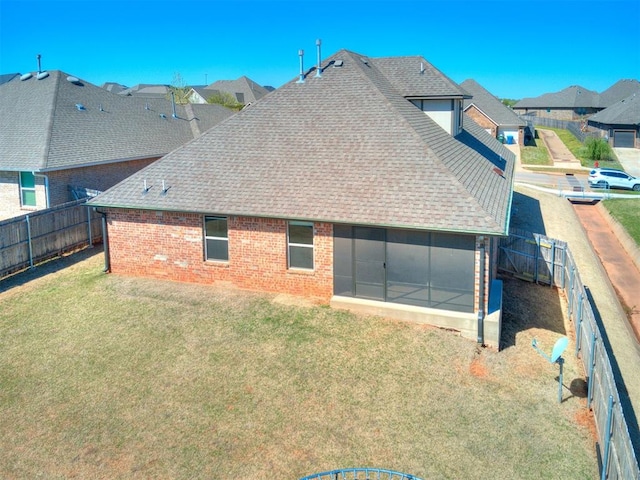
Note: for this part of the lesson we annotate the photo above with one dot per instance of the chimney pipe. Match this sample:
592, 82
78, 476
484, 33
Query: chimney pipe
319, 68
38, 58
301, 55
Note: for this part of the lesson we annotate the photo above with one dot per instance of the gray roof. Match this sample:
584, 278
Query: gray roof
618, 91
42, 129
430, 82
147, 91
243, 89
624, 112
7, 77
571, 97
343, 148
491, 106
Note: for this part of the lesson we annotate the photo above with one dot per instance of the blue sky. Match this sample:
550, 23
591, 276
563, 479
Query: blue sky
515, 49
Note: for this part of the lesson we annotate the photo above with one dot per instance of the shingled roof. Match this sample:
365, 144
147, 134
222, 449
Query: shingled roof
54, 123
345, 148
624, 112
243, 89
491, 106
571, 97
619, 91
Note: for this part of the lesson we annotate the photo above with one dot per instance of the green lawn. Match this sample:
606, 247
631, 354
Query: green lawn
535, 153
577, 148
627, 212
106, 377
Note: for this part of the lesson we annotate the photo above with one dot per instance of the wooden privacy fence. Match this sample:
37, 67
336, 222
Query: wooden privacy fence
38, 236
544, 260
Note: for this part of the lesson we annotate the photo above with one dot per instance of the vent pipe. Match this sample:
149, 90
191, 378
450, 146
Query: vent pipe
173, 104
319, 68
38, 56
421, 68
301, 55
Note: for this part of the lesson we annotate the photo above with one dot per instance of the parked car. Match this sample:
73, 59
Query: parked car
612, 178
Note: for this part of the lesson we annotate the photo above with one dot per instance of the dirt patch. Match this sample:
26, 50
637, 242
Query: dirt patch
584, 418
478, 368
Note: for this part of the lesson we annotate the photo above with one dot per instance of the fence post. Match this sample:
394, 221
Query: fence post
553, 264
29, 241
592, 364
89, 226
578, 321
607, 440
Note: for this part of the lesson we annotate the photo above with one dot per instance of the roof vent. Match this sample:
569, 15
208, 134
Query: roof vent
80, 106
162, 115
42, 75
338, 63
74, 80
365, 60
301, 55
319, 67
26, 76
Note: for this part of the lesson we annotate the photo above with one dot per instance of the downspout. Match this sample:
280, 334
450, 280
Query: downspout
481, 295
105, 241
46, 185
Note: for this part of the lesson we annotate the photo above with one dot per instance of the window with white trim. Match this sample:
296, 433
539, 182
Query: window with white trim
27, 189
300, 243
216, 239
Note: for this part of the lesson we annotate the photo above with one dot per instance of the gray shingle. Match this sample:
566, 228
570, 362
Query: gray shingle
42, 129
491, 106
624, 112
344, 148
571, 97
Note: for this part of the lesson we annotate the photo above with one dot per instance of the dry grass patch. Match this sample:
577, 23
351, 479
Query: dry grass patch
109, 377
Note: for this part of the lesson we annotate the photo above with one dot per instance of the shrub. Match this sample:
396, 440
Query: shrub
598, 149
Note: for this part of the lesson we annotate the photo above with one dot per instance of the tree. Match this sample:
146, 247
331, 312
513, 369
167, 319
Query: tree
598, 149
179, 88
226, 100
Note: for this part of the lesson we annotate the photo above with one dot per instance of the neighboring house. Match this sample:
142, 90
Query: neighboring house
244, 91
618, 91
59, 132
572, 103
145, 90
366, 187
492, 115
620, 122
114, 87
575, 102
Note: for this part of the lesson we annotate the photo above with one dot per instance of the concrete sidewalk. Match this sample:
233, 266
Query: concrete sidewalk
558, 151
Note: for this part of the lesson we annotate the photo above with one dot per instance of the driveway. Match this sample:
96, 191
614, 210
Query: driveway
629, 159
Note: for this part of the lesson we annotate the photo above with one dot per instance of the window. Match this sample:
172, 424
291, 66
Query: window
27, 189
216, 238
300, 245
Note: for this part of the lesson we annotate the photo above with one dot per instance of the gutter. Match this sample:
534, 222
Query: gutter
46, 185
105, 241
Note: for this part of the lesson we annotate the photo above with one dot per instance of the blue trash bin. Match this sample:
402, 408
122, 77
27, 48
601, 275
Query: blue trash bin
510, 140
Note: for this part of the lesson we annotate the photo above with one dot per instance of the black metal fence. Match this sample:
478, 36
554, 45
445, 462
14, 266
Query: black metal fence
43, 234
544, 260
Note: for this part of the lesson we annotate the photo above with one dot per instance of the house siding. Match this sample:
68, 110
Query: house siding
170, 246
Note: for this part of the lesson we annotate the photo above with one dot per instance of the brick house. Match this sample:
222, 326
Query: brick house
491, 114
361, 184
58, 132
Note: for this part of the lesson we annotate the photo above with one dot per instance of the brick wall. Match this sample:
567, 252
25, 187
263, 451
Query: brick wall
482, 120
171, 246
97, 177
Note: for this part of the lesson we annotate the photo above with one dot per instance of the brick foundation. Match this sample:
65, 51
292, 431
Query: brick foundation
170, 245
